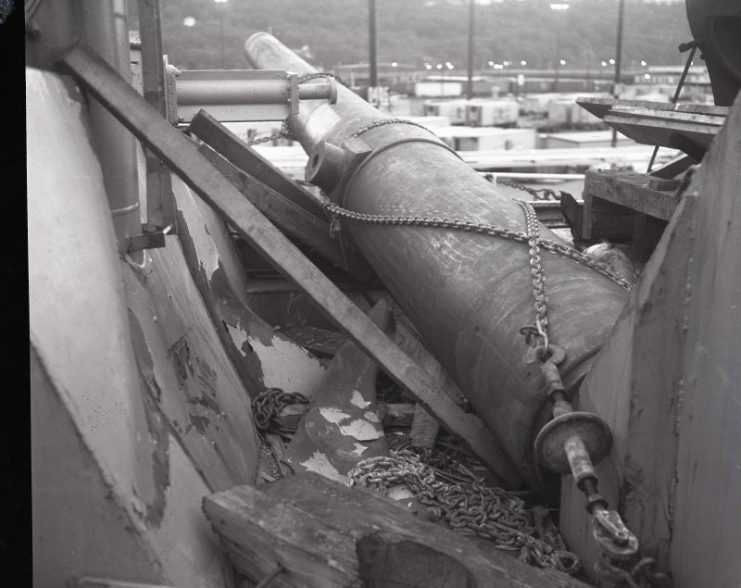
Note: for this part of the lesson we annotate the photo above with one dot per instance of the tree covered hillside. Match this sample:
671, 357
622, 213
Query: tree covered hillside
415, 31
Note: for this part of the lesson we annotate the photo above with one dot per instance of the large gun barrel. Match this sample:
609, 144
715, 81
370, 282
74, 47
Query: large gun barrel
468, 294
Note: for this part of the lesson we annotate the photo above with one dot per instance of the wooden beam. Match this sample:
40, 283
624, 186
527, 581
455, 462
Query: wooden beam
324, 534
396, 415
183, 157
294, 220
94, 582
633, 191
316, 340
602, 219
160, 201
599, 107
234, 150
672, 168
649, 128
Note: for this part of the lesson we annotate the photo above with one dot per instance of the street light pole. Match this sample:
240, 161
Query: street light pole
221, 6
469, 86
373, 42
618, 60
558, 7
221, 36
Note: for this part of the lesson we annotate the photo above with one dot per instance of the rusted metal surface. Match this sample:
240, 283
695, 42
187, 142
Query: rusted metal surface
468, 295
342, 426
263, 357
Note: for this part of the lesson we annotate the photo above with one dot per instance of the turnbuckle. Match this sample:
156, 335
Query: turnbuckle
572, 443
573, 440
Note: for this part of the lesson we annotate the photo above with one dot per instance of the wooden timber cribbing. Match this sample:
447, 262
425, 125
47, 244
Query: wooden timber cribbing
323, 534
183, 157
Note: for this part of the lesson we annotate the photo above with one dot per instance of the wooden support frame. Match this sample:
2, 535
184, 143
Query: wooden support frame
633, 191
182, 156
160, 200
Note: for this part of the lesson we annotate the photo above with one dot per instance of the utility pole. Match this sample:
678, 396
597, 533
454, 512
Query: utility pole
373, 40
618, 59
469, 87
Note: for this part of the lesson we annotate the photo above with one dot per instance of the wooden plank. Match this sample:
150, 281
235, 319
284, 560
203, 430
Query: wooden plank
160, 203
316, 340
295, 221
325, 534
94, 582
672, 168
342, 426
605, 220
397, 415
572, 212
667, 384
183, 157
660, 131
234, 150
631, 190
647, 231
599, 107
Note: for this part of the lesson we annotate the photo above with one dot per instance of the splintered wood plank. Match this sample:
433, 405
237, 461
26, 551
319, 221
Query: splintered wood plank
325, 534
599, 107
316, 340
234, 150
183, 157
665, 132
688, 127
94, 582
633, 191
294, 220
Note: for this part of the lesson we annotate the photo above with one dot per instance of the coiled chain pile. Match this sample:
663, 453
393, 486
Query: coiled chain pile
471, 507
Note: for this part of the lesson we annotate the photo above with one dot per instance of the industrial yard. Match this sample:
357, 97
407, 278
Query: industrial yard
394, 296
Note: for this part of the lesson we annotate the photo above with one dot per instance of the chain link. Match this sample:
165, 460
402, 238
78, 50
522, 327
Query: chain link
470, 507
314, 76
481, 228
541, 194
536, 268
268, 404
382, 122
